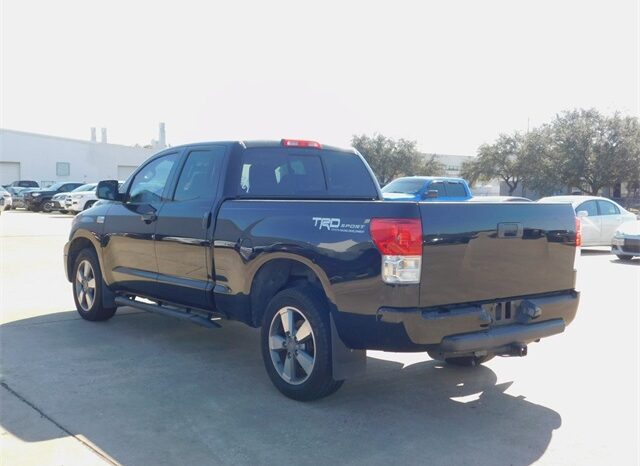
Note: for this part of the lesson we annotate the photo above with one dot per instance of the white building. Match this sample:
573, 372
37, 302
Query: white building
48, 159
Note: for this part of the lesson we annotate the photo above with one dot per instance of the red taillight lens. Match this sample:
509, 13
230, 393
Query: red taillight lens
397, 236
301, 143
578, 233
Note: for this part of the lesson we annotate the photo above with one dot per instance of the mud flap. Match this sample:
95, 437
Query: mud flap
347, 362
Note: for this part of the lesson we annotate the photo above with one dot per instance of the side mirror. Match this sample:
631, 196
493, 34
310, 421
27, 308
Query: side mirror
431, 194
583, 213
108, 190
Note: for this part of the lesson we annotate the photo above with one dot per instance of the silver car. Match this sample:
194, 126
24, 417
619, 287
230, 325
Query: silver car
626, 241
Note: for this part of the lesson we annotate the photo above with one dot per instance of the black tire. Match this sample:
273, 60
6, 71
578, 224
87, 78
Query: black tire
47, 207
93, 310
310, 306
624, 258
64, 211
469, 361
89, 204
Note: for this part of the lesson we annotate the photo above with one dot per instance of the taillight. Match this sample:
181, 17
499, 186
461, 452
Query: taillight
301, 143
400, 242
578, 233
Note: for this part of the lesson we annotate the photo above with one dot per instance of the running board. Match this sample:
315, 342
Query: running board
167, 311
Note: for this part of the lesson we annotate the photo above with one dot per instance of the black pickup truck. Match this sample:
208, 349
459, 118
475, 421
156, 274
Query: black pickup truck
294, 237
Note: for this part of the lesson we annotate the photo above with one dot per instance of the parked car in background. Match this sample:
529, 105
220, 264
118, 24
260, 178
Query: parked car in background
81, 198
17, 194
5, 199
35, 200
427, 188
626, 241
56, 204
599, 217
499, 199
24, 184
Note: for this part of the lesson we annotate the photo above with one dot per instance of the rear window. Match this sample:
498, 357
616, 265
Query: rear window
304, 173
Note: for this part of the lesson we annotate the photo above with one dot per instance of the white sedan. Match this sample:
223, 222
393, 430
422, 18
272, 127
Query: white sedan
626, 241
599, 217
81, 198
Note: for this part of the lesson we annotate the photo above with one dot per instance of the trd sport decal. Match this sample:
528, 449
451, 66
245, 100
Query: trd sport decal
336, 224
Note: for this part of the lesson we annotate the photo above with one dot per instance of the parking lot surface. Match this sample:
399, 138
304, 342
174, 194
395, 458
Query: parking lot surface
146, 389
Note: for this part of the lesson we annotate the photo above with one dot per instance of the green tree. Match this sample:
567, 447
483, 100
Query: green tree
390, 158
539, 162
503, 160
592, 151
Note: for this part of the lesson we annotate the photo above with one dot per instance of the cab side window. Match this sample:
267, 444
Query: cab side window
590, 207
455, 189
148, 184
607, 208
438, 186
200, 175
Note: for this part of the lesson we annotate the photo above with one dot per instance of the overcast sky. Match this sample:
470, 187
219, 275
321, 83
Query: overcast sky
449, 74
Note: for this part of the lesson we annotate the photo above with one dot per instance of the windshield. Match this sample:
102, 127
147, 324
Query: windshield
54, 187
86, 187
406, 186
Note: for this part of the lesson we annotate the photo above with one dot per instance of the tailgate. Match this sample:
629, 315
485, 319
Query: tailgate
476, 252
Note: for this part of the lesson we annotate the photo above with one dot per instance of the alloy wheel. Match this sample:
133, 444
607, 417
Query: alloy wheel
85, 285
292, 345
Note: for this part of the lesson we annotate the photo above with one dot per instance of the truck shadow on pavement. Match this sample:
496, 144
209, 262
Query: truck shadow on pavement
147, 389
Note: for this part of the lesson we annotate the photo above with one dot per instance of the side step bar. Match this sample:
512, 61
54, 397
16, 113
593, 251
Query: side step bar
168, 311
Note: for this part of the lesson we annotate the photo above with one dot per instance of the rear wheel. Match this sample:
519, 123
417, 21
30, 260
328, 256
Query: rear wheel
296, 344
87, 287
89, 204
47, 207
469, 361
624, 258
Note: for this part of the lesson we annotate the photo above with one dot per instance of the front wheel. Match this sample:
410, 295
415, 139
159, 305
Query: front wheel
89, 204
296, 344
87, 287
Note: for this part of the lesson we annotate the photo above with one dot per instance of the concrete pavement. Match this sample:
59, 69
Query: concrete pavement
145, 389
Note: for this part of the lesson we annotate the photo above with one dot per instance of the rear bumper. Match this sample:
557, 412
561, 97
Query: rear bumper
479, 327
499, 339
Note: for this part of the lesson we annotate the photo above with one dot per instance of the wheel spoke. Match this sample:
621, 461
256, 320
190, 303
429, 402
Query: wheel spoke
306, 361
80, 274
304, 331
89, 298
92, 284
289, 369
81, 296
87, 269
276, 343
287, 319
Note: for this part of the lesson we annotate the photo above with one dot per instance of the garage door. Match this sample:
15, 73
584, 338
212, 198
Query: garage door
124, 171
9, 172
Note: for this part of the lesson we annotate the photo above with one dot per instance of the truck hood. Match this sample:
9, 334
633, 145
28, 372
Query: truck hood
400, 197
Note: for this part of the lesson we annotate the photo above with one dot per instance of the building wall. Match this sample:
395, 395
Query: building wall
39, 156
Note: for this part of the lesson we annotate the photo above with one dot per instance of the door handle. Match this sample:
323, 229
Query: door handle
149, 217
